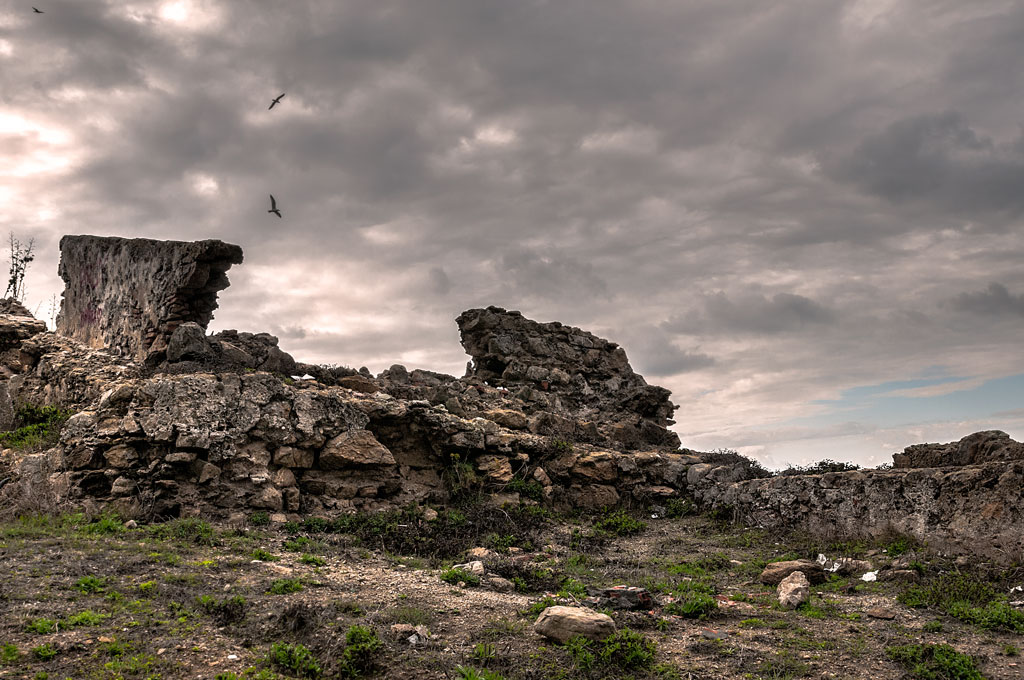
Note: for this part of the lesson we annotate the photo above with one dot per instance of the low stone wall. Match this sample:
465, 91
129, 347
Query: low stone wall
977, 509
130, 294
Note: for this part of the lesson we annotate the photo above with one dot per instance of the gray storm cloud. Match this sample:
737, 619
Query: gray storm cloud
765, 203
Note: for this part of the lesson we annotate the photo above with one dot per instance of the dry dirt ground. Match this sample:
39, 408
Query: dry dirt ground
89, 598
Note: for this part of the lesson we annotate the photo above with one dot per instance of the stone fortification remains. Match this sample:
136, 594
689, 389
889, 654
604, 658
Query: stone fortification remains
129, 295
575, 372
169, 421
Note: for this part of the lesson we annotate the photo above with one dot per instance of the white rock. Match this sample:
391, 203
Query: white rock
794, 590
476, 567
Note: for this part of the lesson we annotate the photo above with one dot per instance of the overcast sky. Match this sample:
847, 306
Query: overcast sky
803, 217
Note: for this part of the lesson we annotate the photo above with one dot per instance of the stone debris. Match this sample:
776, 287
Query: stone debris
413, 635
561, 623
899, 575
566, 378
499, 584
482, 554
775, 572
881, 613
622, 597
794, 590
844, 566
973, 509
476, 568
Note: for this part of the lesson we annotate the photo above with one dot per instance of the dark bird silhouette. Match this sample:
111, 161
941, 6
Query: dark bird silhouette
38, 11
276, 101
273, 206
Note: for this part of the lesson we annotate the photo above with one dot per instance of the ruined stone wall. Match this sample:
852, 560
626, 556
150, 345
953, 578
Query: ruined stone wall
547, 413
976, 509
129, 295
223, 444
574, 371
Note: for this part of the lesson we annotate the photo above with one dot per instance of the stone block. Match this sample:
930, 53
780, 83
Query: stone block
355, 447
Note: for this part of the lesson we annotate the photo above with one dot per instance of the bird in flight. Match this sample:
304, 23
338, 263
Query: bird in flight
273, 206
38, 11
276, 101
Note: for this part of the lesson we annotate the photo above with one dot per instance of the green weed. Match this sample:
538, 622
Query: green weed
264, 556
968, 599
935, 662
38, 428
416, 616
86, 618
285, 586
107, 524
41, 626
296, 659
626, 649
694, 600
227, 610
361, 646
90, 585
484, 653
467, 673
620, 523
535, 609
8, 653
454, 575
188, 530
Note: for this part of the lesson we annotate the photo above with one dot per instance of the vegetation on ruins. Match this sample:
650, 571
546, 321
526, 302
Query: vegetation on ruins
21, 256
36, 428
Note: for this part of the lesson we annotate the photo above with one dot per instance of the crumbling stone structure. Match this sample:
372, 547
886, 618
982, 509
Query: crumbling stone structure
546, 414
129, 295
574, 371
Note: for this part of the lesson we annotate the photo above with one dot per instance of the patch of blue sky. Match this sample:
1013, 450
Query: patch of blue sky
888, 405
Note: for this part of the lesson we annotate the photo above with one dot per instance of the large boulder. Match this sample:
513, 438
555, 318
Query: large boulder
355, 447
561, 623
188, 341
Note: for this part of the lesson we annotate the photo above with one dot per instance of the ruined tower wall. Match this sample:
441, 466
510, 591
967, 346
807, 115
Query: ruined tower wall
130, 294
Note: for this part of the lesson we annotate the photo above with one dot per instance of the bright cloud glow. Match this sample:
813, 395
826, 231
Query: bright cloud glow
205, 185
